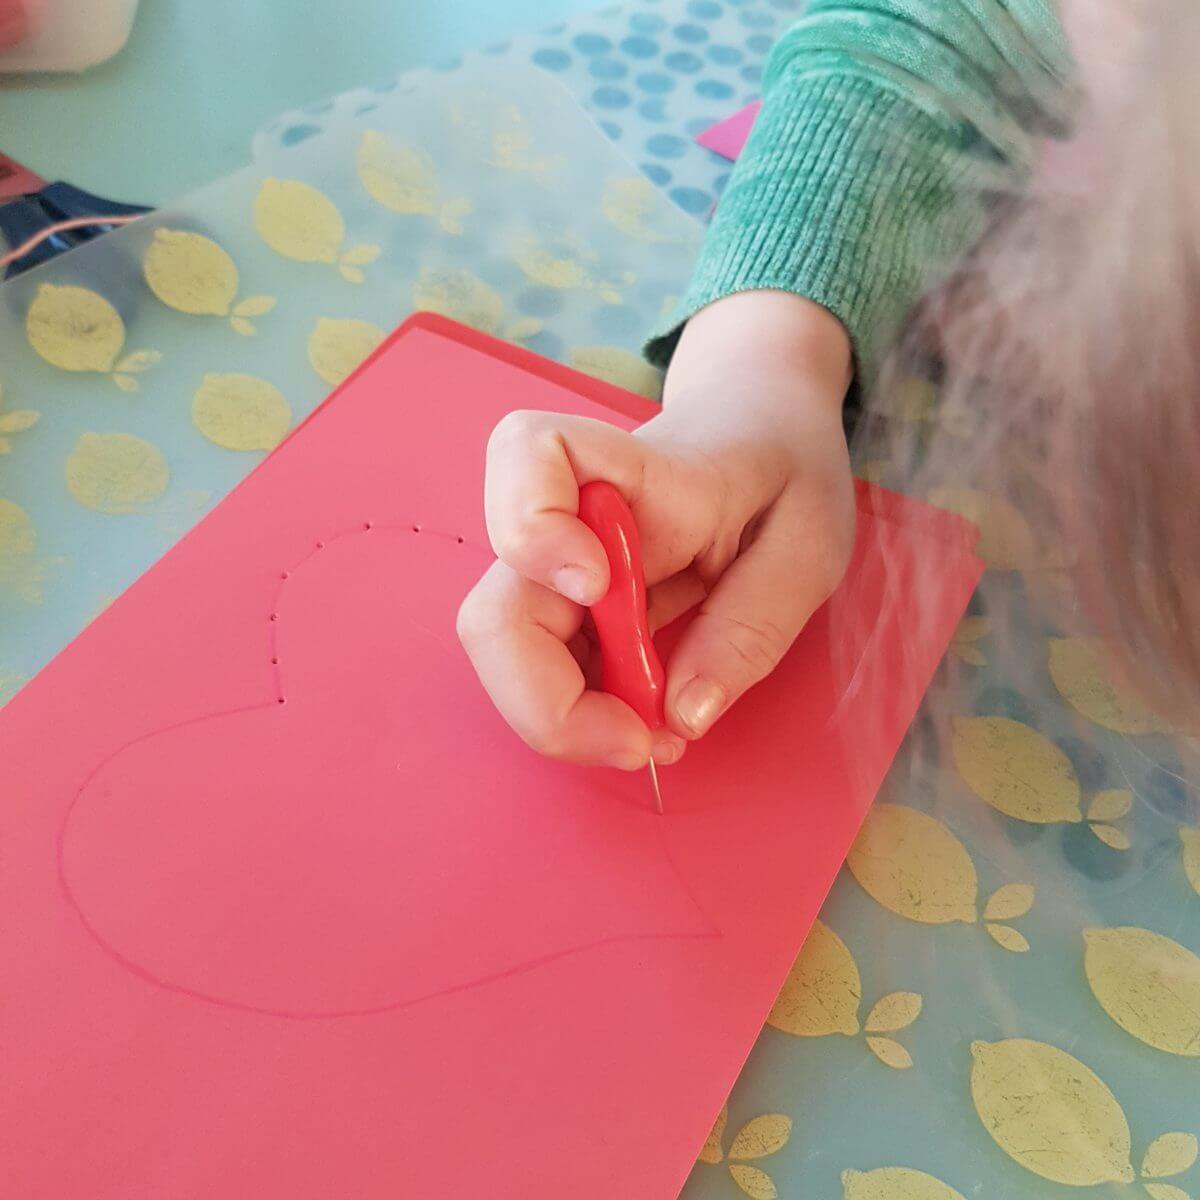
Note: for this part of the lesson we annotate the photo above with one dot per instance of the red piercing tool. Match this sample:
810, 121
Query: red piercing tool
629, 665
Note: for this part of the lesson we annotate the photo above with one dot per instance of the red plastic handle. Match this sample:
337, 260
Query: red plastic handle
629, 664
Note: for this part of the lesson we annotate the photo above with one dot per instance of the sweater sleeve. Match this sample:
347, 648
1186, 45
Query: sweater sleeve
886, 125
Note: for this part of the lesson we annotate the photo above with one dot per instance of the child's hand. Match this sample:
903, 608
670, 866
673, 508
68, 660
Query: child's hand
744, 501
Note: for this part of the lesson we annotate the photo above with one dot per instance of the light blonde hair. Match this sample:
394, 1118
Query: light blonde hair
1069, 350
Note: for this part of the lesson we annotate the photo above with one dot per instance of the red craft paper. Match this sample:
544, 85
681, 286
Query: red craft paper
728, 136
361, 942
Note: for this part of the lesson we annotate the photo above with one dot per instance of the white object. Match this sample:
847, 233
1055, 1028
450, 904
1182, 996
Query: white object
63, 35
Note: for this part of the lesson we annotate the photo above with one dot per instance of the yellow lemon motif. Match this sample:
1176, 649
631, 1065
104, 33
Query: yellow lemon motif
18, 421
635, 207
1050, 1113
336, 347
821, 997
761, 1137
397, 177
240, 412
913, 865
756, 1184
21, 572
619, 367
1006, 542
74, 329
115, 472
1190, 839
298, 221
971, 630
512, 147
895, 1183
822, 992
1148, 984
711, 1151
460, 295
547, 269
17, 537
1083, 679
897, 1010
11, 682
1171, 1154
190, 273
1016, 770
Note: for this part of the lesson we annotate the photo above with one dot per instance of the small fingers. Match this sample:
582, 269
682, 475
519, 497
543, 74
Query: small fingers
516, 634
536, 464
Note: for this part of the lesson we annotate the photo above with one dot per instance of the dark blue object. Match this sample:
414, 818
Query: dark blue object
26, 216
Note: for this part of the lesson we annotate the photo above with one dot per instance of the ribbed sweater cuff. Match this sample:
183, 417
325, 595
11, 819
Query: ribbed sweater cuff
847, 194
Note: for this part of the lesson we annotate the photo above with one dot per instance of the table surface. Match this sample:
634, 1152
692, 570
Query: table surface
177, 107
1003, 998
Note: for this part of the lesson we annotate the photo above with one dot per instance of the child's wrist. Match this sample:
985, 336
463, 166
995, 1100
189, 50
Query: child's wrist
764, 349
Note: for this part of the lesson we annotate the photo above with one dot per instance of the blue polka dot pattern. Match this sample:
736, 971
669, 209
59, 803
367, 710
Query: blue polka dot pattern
720, 182
656, 173
610, 97
298, 133
546, 343
655, 82
607, 68
691, 200
724, 56
684, 61
551, 59
653, 109
755, 18
666, 145
618, 321
1086, 759
647, 23
592, 43
639, 47
1089, 856
653, 73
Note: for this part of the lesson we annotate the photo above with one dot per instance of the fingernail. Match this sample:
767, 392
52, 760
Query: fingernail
576, 583
667, 751
700, 703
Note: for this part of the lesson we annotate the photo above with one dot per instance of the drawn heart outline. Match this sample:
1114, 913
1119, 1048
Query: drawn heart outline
368, 835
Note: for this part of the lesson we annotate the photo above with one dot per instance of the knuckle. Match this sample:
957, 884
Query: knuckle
517, 540
546, 741
521, 428
758, 646
471, 621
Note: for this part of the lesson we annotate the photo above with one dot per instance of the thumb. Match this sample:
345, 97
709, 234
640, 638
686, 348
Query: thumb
747, 623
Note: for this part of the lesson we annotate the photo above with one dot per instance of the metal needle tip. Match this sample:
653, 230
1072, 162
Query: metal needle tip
654, 784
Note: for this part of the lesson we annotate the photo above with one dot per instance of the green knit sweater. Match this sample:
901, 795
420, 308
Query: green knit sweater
887, 128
